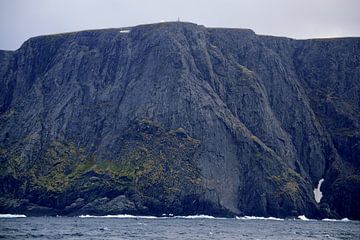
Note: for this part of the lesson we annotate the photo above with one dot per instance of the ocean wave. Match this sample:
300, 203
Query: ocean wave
151, 217
259, 218
336, 220
201, 216
303, 218
118, 216
197, 217
12, 216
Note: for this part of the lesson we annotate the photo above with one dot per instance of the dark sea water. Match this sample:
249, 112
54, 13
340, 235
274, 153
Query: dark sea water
173, 228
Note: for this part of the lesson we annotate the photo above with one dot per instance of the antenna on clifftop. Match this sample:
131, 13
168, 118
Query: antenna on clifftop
178, 19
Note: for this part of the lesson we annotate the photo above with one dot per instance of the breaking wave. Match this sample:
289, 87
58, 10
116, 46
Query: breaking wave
197, 217
118, 216
12, 216
259, 218
336, 220
303, 218
169, 216
151, 217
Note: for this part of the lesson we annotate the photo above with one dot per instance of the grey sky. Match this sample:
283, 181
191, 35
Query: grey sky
22, 19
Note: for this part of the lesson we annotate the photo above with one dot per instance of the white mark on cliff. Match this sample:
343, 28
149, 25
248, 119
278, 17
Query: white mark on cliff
317, 193
124, 31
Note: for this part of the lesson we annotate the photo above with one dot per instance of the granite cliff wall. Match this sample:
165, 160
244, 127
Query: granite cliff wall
179, 118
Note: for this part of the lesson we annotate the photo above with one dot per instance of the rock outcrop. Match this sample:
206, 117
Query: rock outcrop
178, 118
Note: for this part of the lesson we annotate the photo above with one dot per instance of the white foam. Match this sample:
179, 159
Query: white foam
259, 218
152, 217
336, 220
317, 193
303, 218
197, 217
12, 216
124, 31
127, 216
118, 216
329, 220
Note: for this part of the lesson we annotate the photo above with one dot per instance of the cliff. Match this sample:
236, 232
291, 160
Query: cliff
178, 118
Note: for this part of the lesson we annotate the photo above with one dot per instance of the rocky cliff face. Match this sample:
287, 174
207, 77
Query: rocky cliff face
179, 118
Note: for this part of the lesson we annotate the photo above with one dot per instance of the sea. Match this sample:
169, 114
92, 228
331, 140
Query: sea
174, 227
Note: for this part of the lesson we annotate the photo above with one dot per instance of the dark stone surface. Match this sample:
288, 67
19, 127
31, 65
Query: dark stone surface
179, 118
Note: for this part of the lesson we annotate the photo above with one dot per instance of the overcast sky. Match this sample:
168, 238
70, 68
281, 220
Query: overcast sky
22, 19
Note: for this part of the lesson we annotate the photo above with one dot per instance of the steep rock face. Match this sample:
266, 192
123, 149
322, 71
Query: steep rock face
178, 118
